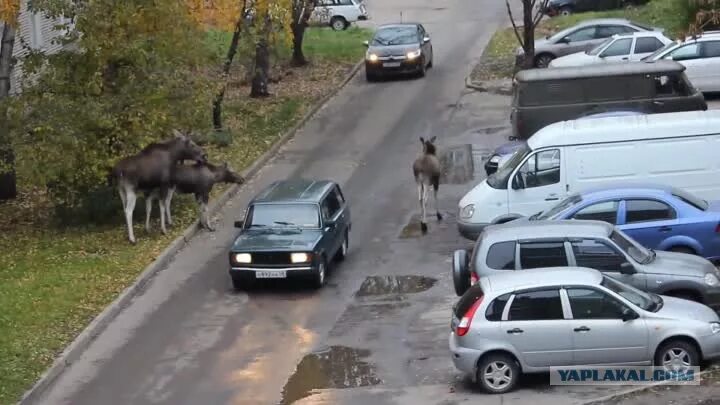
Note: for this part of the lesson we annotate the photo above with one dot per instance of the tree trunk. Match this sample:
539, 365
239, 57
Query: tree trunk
298, 57
232, 50
528, 35
259, 86
8, 181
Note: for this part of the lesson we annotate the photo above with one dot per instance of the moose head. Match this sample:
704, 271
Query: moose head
428, 145
185, 149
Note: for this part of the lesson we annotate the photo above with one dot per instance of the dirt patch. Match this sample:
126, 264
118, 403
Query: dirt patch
394, 285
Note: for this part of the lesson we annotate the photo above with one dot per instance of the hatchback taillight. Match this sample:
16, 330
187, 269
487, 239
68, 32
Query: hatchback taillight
464, 325
473, 278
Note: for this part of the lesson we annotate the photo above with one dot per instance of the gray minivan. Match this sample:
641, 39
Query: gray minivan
544, 96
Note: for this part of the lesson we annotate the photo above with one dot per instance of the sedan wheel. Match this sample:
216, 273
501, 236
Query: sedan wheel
565, 11
338, 24
543, 61
342, 252
497, 373
677, 355
320, 273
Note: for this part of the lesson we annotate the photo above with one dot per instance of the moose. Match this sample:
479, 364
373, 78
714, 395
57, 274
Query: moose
427, 171
197, 179
152, 170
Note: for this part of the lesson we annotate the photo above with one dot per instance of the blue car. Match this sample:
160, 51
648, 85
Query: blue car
659, 217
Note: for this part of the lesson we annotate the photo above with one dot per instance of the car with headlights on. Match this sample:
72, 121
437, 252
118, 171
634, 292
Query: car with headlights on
527, 322
398, 49
292, 229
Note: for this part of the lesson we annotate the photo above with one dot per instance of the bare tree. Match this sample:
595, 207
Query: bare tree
259, 86
301, 13
525, 34
8, 183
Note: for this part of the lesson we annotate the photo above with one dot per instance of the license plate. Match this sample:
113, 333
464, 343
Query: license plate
270, 274
391, 64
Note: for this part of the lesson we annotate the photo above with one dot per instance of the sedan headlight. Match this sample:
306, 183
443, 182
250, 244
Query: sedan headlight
715, 327
467, 211
711, 280
413, 54
371, 57
495, 159
299, 257
243, 258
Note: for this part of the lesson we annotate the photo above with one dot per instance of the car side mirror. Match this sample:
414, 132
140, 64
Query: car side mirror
330, 225
627, 269
426, 40
628, 315
516, 183
563, 41
366, 43
239, 224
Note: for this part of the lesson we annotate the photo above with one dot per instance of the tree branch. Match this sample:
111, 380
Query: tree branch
512, 21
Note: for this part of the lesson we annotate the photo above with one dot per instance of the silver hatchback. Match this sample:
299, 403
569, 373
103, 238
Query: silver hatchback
526, 322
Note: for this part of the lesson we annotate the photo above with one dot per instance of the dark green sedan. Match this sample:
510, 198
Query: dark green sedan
292, 229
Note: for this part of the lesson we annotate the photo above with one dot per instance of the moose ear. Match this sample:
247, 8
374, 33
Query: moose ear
422, 140
432, 140
177, 133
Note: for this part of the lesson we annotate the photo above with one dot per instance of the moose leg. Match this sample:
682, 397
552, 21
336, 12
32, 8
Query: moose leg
123, 197
148, 210
423, 199
167, 200
436, 185
129, 208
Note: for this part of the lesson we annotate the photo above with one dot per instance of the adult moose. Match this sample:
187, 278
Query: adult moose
427, 170
197, 179
151, 170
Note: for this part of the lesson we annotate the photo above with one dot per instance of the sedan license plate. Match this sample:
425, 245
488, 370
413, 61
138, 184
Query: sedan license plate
391, 64
270, 274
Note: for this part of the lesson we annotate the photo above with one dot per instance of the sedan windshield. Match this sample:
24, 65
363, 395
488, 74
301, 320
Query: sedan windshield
646, 301
655, 54
396, 36
500, 178
632, 248
558, 208
597, 49
283, 215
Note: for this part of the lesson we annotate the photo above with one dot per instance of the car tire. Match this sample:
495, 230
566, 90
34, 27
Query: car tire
682, 249
543, 60
338, 24
564, 11
242, 283
370, 77
432, 59
423, 69
320, 274
342, 252
675, 354
497, 373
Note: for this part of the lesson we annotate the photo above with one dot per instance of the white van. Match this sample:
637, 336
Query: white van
678, 149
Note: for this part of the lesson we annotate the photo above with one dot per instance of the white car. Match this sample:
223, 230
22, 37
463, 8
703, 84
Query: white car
618, 48
338, 14
701, 58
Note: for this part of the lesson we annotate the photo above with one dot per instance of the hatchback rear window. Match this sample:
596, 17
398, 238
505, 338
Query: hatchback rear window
473, 294
501, 256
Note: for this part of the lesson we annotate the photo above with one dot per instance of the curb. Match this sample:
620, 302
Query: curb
73, 351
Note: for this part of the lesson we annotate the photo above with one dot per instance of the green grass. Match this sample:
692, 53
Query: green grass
53, 281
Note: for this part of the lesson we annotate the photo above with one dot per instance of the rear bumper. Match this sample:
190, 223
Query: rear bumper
464, 359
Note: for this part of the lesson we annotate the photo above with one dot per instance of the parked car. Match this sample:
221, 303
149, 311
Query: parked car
579, 38
522, 245
292, 228
573, 156
700, 56
618, 48
657, 216
502, 153
338, 14
527, 322
544, 96
398, 48
567, 7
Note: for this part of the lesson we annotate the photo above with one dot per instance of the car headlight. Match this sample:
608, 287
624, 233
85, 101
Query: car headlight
467, 211
711, 280
371, 57
299, 257
495, 159
413, 54
715, 327
243, 258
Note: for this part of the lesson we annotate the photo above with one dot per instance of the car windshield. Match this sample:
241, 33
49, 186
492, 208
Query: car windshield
632, 248
500, 178
284, 215
646, 301
655, 54
597, 49
558, 208
395, 36
690, 199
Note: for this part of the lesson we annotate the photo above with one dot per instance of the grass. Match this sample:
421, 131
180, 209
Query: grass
498, 58
54, 281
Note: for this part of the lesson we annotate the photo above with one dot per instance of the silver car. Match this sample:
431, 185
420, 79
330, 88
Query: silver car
522, 244
526, 322
580, 38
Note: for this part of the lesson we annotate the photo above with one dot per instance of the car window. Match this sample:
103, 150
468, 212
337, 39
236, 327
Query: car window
473, 294
647, 210
501, 256
647, 45
597, 255
689, 51
495, 309
603, 211
542, 254
338, 194
330, 206
605, 31
587, 303
583, 34
343, 2
541, 169
559, 207
711, 49
536, 306
618, 48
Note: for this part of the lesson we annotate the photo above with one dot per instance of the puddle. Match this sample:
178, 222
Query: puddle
394, 285
337, 367
411, 230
